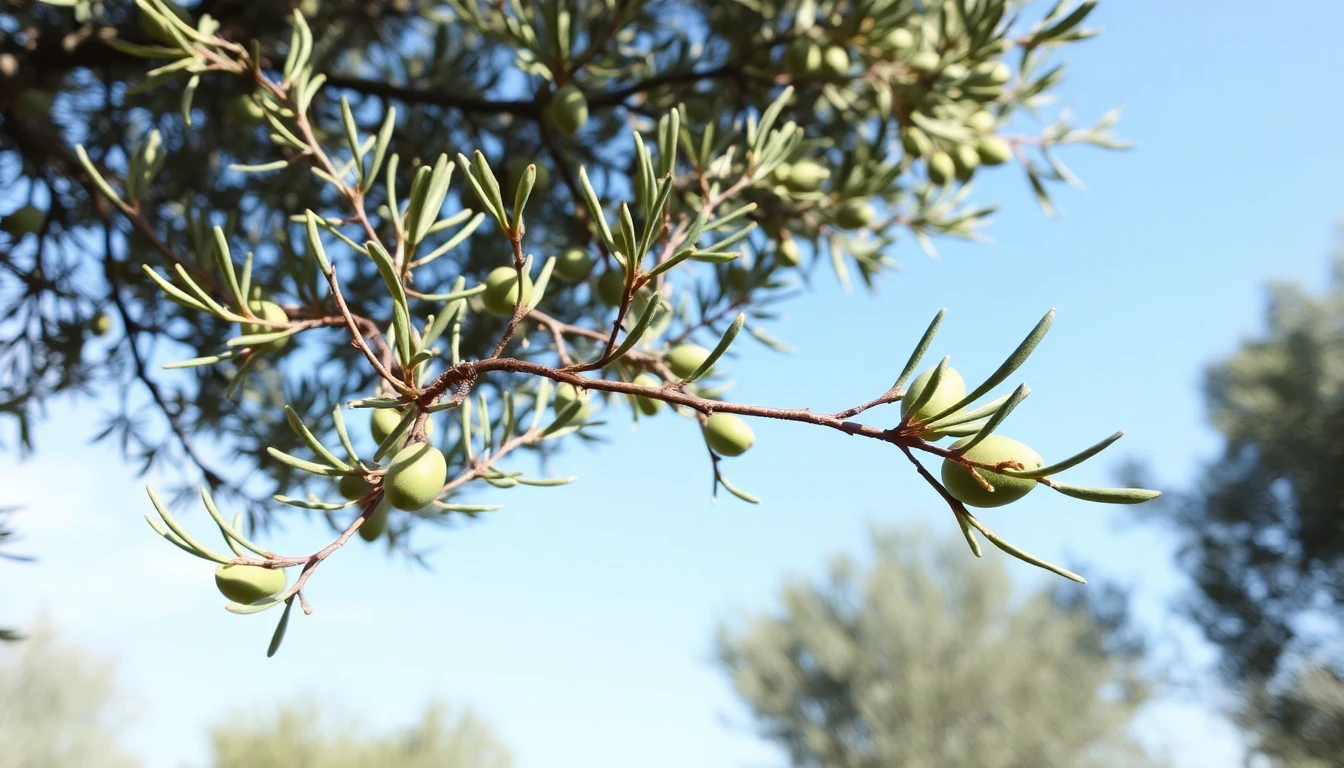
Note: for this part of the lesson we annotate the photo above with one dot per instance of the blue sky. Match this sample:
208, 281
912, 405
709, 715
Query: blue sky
579, 620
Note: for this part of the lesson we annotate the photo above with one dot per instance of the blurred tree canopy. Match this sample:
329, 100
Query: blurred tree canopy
920, 661
59, 707
300, 735
1262, 530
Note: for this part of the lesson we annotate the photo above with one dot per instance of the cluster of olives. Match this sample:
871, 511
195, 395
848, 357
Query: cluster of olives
994, 449
413, 480
808, 58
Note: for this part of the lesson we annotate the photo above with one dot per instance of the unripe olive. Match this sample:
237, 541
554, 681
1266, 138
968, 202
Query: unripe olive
518, 167
915, 142
807, 175
966, 160
980, 121
992, 450
352, 486
900, 39
685, 359
100, 324
34, 103
501, 291
941, 168
835, 61
788, 253
385, 420
953, 72
246, 584
565, 394
803, 57
23, 221
245, 110
415, 476
924, 62
270, 312
374, 525
569, 109
854, 214
573, 265
611, 287
648, 405
728, 434
783, 173
993, 72
951, 389
993, 150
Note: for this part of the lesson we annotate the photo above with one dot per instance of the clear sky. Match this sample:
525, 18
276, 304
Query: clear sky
579, 620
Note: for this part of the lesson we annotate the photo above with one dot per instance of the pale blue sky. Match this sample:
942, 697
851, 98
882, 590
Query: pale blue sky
579, 620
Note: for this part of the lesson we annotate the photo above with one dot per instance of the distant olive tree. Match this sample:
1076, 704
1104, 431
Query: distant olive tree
301, 735
59, 707
921, 661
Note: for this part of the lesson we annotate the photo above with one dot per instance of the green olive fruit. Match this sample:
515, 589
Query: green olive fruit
246, 584
501, 291
157, 29
24, 221
993, 72
415, 476
803, 57
100, 324
915, 142
953, 72
686, 359
518, 167
941, 168
993, 150
788, 253
648, 405
565, 394
736, 278
611, 287
728, 434
924, 62
246, 111
992, 450
385, 420
270, 312
376, 523
966, 160
981, 121
783, 173
807, 175
951, 389
569, 109
573, 265
900, 39
352, 486
34, 103
835, 61
854, 214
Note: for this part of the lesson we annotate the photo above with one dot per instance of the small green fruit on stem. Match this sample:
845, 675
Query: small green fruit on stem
415, 477
352, 487
374, 525
569, 109
941, 168
994, 449
566, 393
647, 405
573, 265
501, 291
686, 359
384, 420
272, 313
728, 434
951, 389
611, 287
854, 214
993, 150
247, 584
788, 253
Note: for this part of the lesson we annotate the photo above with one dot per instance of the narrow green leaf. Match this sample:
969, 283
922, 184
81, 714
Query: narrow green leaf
720, 348
920, 349
1107, 495
1014, 361
279, 635
304, 466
